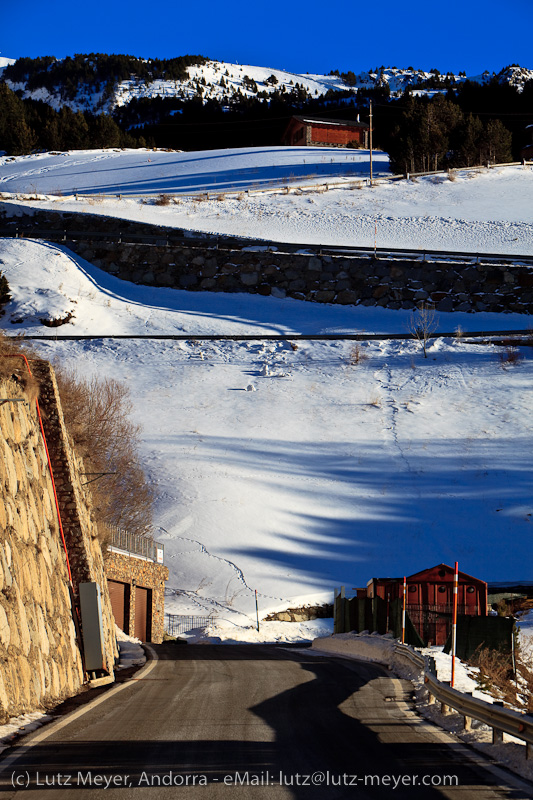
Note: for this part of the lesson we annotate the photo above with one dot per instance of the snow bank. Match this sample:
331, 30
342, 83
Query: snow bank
225, 632
131, 653
371, 647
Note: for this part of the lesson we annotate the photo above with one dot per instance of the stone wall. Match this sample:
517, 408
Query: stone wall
375, 281
75, 503
132, 570
40, 650
40, 657
391, 283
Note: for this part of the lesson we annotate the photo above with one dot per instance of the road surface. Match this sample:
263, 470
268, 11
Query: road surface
250, 721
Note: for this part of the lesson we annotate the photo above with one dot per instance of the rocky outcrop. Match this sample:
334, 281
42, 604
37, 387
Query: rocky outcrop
302, 614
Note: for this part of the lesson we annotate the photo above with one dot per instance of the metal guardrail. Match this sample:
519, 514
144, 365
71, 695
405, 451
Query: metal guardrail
136, 545
501, 720
238, 243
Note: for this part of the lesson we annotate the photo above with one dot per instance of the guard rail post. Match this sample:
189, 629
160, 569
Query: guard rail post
497, 735
445, 709
467, 721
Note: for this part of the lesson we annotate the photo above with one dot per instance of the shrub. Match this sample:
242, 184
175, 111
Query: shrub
509, 355
56, 322
15, 369
357, 355
423, 323
96, 414
162, 200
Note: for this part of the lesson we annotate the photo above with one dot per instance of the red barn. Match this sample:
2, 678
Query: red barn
309, 132
429, 601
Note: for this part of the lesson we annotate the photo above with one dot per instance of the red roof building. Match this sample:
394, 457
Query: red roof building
429, 600
310, 132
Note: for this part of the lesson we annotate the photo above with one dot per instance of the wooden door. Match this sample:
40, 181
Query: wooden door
141, 613
117, 595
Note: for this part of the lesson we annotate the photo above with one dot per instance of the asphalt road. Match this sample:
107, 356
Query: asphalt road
250, 721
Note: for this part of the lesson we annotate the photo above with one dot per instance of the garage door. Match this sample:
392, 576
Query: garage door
142, 610
118, 596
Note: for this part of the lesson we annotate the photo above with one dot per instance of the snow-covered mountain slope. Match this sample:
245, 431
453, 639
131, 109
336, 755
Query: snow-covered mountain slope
213, 80
219, 80
4, 62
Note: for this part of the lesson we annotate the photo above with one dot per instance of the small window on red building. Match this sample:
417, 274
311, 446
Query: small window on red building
470, 589
442, 589
413, 588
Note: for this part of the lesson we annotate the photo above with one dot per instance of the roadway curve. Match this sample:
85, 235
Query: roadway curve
257, 712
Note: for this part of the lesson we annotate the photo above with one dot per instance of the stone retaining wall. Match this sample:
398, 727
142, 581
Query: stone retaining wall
75, 503
40, 652
391, 283
40, 658
302, 614
388, 282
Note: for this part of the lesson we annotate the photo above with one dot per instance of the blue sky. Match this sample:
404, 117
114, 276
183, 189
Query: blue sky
470, 35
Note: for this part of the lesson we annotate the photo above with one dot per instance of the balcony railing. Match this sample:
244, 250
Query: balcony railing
136, 545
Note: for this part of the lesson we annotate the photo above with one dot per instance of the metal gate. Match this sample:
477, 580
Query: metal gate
177, 624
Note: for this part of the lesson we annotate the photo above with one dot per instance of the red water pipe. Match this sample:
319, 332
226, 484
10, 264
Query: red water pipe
20, 355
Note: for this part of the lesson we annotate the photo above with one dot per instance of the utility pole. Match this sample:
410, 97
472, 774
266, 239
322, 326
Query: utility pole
371, 183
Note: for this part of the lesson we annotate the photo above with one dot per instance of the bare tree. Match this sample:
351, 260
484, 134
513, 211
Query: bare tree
422, 323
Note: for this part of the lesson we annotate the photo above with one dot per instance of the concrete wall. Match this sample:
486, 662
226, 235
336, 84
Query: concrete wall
40, 652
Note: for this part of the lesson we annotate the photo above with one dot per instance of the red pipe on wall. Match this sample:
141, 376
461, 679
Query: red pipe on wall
49, 467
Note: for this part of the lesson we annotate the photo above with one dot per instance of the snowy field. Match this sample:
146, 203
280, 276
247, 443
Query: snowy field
288, 469
285, 467
480, 211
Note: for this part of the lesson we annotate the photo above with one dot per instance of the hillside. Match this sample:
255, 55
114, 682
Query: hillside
477, 211
292, 469
103, 84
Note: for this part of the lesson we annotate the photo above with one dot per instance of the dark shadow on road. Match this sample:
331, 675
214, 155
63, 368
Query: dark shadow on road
330, 732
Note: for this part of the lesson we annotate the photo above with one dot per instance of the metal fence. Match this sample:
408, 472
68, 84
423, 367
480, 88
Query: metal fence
136, 545
177, 624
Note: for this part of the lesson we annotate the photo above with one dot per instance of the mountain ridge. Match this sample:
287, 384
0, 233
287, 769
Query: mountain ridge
98, 83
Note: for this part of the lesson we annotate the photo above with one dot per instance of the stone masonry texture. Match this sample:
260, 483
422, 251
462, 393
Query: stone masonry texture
40, 650
127, 569
349, 280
